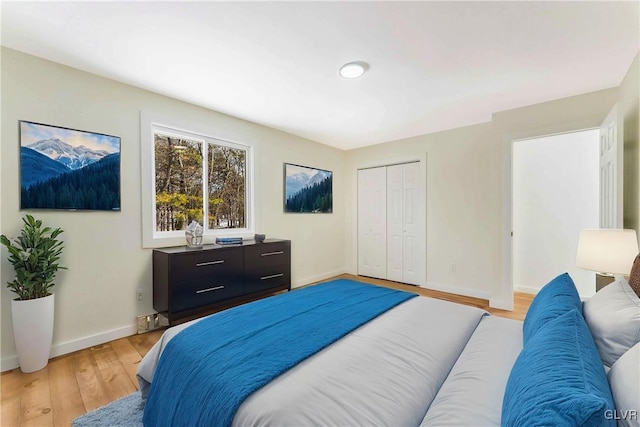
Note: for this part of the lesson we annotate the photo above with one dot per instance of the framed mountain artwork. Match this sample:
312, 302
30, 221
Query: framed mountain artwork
307, 190
70, 169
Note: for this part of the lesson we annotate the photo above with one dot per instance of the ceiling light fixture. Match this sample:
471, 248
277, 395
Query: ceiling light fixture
353, 70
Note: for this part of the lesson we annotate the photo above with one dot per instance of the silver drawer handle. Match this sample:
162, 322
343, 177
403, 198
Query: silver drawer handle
272, 253
202, 264
210, 289
273, 276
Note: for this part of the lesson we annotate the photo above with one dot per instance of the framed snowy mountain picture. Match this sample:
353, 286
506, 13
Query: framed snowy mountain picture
307, 190
69, 169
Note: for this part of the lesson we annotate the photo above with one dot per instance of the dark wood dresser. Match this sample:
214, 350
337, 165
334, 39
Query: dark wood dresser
188, 282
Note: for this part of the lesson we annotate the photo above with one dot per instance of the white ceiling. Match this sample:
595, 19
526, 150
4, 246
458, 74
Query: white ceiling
433, 65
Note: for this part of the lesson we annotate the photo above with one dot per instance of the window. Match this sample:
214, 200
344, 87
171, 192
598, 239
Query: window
193, 177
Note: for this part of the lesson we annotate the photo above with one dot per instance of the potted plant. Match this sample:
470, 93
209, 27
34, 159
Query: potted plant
35, 256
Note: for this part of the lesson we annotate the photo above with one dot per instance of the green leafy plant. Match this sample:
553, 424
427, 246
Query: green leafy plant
34, 256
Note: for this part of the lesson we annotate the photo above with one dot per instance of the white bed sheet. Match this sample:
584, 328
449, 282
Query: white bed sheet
473, 392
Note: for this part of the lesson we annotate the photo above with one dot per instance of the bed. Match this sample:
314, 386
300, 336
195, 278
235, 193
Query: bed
421, 361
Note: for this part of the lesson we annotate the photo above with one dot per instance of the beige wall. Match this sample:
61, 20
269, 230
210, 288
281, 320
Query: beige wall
461, 206
95, 298
468, 190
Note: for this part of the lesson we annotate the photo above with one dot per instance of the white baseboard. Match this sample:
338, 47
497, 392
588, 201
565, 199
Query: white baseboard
474, 293
317, 278
526, 289
11, 362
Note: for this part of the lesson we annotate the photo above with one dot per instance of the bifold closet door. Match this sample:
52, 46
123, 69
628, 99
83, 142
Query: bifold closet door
402, 227
372, 222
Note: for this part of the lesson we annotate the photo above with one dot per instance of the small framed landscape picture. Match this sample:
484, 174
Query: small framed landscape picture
307, 190
69, 169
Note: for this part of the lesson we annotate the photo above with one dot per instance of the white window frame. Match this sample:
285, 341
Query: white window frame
150, 124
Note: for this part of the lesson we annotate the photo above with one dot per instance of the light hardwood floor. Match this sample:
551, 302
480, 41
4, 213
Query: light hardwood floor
79, 382
521, 301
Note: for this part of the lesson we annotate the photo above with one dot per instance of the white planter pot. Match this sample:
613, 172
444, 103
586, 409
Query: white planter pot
33, 331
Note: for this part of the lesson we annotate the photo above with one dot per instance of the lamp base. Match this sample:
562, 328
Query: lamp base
603, 280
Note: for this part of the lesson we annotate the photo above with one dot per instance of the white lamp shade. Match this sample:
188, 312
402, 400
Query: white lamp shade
607, 250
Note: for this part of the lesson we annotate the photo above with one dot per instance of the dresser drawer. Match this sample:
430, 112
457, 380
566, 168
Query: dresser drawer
194, 266
260, 279
265, 254
188, 282
192, 295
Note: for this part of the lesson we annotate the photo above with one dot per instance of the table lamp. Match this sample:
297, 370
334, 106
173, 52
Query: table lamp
609, 252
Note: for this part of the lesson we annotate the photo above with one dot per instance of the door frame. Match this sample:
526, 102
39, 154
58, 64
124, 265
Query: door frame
502, 297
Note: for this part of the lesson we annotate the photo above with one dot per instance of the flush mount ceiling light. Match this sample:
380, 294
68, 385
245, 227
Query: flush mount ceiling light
353, 70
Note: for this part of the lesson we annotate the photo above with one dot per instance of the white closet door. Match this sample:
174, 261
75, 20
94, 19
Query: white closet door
411, 199
395, 224
372, 222
402, 223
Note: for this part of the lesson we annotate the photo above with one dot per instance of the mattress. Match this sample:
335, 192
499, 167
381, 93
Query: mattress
412, 365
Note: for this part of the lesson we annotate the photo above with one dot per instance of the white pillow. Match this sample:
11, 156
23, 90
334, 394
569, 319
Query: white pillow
613, 316
624, 380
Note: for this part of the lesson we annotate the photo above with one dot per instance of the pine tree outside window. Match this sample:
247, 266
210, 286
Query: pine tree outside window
195, 178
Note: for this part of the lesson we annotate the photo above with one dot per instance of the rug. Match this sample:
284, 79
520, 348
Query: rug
124, 412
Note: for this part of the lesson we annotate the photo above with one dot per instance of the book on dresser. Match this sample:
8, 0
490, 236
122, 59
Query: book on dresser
188, 282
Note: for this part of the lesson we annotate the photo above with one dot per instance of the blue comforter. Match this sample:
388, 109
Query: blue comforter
210, 368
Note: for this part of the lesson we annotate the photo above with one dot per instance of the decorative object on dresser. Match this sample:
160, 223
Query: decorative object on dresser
35, 256
189, 282
608, 252
193, 235
228, 240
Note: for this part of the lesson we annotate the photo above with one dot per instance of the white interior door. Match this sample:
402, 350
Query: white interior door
611, 178
372, 222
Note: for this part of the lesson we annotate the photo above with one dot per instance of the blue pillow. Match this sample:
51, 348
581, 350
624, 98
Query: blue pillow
558, 379
554, 299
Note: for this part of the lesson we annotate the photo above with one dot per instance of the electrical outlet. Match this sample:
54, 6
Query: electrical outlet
453, 268
139, 294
